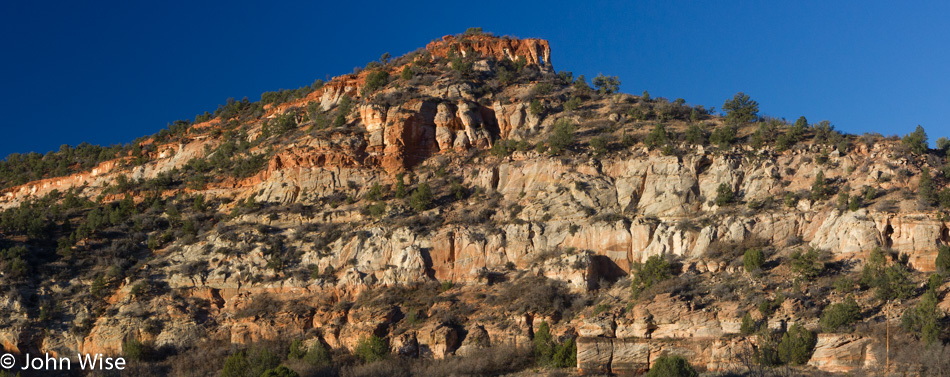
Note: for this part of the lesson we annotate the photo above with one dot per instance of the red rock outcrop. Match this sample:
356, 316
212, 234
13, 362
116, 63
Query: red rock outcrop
535, 51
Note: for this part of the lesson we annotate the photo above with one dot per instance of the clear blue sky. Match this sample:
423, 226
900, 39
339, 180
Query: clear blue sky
110, 72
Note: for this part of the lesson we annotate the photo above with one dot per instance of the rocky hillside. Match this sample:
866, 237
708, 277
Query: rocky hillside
467, 210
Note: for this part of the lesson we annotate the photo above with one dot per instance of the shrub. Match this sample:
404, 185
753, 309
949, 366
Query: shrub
926, 192
895, 283
695, 135
400, 186
98, 286
370, 349
140, 289
598, 145
606, 84
458, 191
536, 107
551, 354
855, 203
406, 73
422, 198
819, 188
281, 371
376, 210
572, 104
318, 355
656, 137
748, 325
840, 317
916, 141
753, 259
375, 80
791, 200
740, 109
797, 345
924, 319
134, 350
769, 306
562, 136
672, 366
723, 137
580, 85
375, 192
646, 275
343, 109
236, 365
462, 66
724, 195
943, 259
808, 265
296, 350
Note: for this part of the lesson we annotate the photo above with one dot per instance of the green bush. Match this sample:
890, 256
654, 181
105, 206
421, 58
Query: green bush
840, 317
421, 198
672, 366
536, 107
809, 264
549, 353
924, 320
281, 371
376, 210
656, 137
926, 191
895, 283
855, 203
916, 141
461, 65
725, 195
723, 137
236, 365
296, 350
98, 286
562, 136
370, 349
606, 84
134, 350
748, 325
656, 269
400, 186
753, 259
791, 200
375, 80
572, 104
318, 355
819, 188
343, 109
598, 145
695, 135
797, 345
768, 306
943, 259
741, 109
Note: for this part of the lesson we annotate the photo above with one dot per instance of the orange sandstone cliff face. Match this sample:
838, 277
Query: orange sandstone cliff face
534, 51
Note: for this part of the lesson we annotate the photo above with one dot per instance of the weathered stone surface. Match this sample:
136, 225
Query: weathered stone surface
842, 353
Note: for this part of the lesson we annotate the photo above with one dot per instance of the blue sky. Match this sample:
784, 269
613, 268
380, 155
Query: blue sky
110, 72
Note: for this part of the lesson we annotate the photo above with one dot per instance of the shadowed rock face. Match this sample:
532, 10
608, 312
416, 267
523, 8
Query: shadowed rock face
448, 280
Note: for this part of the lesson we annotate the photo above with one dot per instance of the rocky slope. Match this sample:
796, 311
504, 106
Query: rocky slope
328, 242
